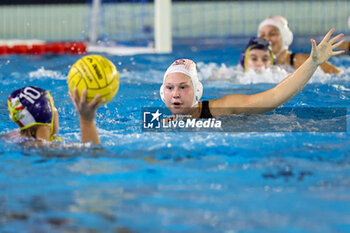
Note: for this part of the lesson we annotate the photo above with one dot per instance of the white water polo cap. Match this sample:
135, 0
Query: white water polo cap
187, 67
282, 24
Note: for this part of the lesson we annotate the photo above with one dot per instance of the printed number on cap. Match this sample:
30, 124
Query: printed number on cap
29, 94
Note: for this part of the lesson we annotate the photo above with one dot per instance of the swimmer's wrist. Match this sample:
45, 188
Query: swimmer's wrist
88, 117
312, 62
87, 121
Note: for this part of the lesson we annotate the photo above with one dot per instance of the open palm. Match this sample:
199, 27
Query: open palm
324, 50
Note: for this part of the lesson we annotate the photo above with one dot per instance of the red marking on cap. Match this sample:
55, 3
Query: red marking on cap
180, 61
20, 107
20, 124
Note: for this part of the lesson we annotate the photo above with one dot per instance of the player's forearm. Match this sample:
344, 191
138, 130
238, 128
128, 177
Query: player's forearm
270, 99
89, 132
329, 68
293, 84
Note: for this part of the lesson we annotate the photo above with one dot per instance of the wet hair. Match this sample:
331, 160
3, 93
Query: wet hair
31, 131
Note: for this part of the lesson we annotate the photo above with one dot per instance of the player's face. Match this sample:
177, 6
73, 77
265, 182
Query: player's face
258, 60
178, 93
272, 34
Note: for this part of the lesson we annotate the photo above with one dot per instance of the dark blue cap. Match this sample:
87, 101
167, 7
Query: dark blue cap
30, 106
255, 43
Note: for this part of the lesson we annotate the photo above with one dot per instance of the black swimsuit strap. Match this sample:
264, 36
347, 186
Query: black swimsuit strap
291, 61
205, 110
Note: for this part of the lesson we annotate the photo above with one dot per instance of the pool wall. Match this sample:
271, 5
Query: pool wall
125, 21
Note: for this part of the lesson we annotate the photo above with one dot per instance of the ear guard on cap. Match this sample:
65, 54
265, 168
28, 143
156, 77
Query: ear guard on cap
31, 106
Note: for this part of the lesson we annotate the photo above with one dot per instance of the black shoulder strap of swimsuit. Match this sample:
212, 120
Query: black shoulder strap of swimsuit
291, 61
205, 110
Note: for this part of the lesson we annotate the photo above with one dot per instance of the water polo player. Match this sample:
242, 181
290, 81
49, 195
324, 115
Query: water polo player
257, 55
33, 110
275, 29
181, 90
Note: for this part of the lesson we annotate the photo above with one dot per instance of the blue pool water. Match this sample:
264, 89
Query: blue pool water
173, 182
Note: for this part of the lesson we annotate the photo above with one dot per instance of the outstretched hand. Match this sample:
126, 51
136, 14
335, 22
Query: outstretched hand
86, 111
324, 50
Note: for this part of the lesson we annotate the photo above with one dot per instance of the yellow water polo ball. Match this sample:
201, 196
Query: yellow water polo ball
95, 73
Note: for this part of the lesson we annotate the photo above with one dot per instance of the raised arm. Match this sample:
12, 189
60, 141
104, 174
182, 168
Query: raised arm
87, 113
286, 89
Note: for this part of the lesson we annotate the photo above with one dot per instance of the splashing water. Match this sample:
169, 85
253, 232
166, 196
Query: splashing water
171, 182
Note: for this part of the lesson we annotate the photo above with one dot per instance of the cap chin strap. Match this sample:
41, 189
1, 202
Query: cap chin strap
55, 138
52, 136
14, 115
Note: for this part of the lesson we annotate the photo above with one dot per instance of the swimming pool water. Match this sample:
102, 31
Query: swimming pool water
173, 182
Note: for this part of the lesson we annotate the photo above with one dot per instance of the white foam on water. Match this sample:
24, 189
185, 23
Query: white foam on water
43, 73
274, 74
